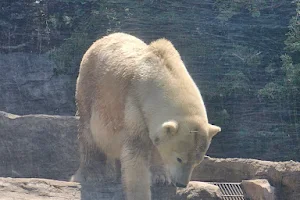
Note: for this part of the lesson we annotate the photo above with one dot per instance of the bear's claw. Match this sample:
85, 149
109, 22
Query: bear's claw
159, 176
160, 179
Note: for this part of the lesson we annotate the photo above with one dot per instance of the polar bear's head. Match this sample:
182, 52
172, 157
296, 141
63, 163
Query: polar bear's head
182, 145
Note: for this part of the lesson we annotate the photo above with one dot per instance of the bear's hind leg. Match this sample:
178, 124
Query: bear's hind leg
92, 159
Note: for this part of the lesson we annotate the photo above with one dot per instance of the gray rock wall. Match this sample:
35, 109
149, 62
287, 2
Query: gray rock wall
28, 85
41, 146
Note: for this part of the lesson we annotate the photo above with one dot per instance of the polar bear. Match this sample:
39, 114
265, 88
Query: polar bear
138, 104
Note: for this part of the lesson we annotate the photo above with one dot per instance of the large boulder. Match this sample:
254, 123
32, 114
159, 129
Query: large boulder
259, 189
41, 146
199, 190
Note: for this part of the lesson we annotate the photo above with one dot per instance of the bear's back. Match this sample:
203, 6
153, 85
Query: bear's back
121, 65
114, 53
105, 76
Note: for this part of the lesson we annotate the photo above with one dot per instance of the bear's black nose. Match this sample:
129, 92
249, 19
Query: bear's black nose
180, 185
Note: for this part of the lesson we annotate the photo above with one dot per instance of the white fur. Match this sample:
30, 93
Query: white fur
126, 90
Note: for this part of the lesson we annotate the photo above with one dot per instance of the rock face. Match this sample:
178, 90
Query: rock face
43, 146
259, 189
284, 176
29, 85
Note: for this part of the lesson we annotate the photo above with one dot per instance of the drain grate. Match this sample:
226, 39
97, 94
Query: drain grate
231, 191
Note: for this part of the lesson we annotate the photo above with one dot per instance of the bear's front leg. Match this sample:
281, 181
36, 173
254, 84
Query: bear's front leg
158, 170
135, 169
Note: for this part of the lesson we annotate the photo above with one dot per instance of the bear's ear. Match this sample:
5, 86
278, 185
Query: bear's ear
170, 127
213, 130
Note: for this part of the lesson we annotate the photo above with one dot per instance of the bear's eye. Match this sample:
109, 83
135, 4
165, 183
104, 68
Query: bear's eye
179, 160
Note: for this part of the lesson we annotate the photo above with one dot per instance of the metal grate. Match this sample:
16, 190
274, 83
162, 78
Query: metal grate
231, 191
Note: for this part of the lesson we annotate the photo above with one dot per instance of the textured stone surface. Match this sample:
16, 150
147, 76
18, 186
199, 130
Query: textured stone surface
258, 189
44, 189
41, 146
284, 176
30, 86
199, 190
38, 189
